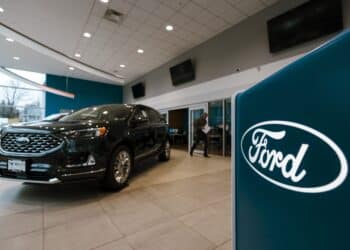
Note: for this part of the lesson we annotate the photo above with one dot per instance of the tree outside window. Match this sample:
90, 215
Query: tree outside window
20, 102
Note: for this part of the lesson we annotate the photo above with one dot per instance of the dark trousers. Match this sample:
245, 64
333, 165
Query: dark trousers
200, 136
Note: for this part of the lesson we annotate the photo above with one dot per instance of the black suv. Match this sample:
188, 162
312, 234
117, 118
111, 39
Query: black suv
102, 142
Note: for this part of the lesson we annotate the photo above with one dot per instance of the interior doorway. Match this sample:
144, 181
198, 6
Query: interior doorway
178, 128
195, 113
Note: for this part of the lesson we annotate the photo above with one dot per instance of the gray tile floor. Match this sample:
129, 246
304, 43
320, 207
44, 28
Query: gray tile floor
182, 204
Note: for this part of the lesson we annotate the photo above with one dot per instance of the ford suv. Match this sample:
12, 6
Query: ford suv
101, 142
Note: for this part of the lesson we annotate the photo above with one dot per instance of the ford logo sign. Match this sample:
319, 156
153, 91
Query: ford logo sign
288, 155
22, 140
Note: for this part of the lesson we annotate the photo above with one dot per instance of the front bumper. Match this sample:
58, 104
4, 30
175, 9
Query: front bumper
48, 182
60, 166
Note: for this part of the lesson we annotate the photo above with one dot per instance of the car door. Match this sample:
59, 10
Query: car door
158, 129
140, 132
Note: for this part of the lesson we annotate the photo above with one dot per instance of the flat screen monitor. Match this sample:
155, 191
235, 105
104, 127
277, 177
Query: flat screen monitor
138, 90
182, 73
314, 19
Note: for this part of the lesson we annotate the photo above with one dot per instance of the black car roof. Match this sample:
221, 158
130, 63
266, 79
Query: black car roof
128, 106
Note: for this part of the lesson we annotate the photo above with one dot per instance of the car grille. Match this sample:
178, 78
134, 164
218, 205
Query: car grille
34, 144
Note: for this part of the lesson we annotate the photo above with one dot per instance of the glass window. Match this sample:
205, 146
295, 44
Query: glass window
228, 127
20, 102
165, 117
140, 115
153, 115
216, 122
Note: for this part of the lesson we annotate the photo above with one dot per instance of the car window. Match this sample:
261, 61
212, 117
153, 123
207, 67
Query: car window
99, 113
154, 116
141, 115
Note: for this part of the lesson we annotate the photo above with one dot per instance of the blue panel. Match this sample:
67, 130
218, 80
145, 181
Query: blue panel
87, 93
292, 144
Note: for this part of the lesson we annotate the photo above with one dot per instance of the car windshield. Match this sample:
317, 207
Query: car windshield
101, 113
54, 117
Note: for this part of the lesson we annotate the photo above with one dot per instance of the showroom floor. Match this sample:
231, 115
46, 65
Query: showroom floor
182, 204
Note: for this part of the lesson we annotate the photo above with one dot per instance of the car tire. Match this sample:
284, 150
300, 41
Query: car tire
119, 169
166, 151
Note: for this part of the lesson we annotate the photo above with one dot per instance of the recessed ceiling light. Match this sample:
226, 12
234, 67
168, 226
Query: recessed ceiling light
87, 34
104, 1
10, 40
77, 55
169, 28
140, 51
122, 65
16, 58
1, 9
71, 68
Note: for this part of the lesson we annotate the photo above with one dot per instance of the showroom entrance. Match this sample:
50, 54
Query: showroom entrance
181, 126
178, 128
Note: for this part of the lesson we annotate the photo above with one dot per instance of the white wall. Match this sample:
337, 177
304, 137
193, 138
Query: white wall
219, 88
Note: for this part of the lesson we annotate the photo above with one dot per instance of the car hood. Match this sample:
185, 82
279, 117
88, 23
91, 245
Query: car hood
56, 126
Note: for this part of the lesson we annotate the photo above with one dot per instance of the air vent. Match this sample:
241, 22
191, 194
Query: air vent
113, 16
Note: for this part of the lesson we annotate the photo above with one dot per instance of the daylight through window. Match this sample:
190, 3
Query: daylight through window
20, 102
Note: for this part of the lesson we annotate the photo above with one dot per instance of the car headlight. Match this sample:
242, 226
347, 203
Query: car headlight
87, 133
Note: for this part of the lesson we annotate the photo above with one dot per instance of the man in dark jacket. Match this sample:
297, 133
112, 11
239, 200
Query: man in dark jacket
199, 125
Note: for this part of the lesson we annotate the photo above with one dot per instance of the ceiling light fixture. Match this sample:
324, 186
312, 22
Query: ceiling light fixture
122, 65
71, 68
16, 58
140, 51
1, 9
10, 40
87, 34
104, 1
169, 28
77, 55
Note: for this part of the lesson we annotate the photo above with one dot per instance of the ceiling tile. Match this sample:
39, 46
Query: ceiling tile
269, 2
250, 7
138, 14
148, 5
131, 24
222, 9
175, 4
108, 25
155, 21
192, 10
122, 6
163, 12
99, 9
179, 20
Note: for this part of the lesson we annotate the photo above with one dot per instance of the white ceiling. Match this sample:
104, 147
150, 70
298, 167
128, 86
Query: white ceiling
60, 24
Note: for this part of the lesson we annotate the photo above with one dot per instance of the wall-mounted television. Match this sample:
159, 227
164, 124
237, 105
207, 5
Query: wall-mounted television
182, 73
138, 90
314, 19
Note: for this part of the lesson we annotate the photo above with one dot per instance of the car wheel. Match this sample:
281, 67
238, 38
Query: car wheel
166, 151
118, 172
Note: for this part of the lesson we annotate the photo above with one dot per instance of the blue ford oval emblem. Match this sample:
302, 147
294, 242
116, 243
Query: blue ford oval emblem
22, 140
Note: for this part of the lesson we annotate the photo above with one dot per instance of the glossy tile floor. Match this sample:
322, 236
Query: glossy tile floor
184, 204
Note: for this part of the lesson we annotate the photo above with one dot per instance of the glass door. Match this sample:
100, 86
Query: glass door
165, 115
194, 113
228, 126
216, 123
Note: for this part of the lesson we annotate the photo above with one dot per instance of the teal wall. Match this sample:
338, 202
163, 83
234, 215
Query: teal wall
87, 93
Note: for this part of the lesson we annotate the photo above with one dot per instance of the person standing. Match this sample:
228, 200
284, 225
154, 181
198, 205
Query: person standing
200, 126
